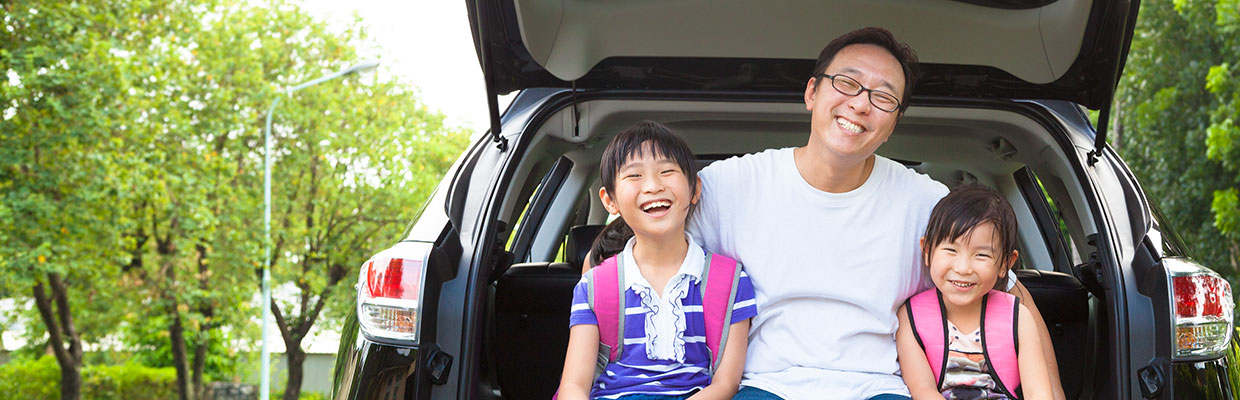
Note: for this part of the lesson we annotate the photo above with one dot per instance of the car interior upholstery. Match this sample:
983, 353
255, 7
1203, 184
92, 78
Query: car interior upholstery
553, 208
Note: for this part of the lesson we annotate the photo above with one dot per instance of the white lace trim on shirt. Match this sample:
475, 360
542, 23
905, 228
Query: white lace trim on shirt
665, 315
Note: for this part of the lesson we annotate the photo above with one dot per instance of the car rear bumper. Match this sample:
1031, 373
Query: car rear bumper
1208, 380
369, 370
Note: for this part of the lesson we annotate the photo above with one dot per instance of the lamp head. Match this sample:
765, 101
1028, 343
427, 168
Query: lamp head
362, 67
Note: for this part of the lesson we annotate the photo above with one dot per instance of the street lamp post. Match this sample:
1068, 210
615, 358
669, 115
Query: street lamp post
265, 380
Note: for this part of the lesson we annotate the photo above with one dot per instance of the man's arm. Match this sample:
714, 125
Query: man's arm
1048, 349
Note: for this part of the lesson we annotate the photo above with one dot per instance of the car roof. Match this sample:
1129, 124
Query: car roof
1030, 49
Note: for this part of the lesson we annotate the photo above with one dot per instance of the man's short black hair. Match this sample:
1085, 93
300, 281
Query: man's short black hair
879, 37
636, 141
962, 210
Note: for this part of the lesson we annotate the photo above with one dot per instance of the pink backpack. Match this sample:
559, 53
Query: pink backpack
606, 295
1000, 312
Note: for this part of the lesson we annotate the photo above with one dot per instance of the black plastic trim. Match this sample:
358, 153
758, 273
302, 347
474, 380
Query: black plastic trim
1009, 4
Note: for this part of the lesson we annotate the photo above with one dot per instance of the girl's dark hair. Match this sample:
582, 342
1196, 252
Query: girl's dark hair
610, 241
635, 141
966, 207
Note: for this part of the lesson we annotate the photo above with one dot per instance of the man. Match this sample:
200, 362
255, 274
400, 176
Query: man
829, 232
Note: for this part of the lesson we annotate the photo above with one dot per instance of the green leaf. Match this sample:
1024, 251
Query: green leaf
1218, 78
1226, 208
1219, 140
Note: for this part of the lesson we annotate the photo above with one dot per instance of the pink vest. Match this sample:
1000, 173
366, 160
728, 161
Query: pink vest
1000, 313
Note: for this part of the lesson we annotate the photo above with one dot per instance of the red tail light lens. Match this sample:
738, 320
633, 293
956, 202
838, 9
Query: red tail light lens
393, 278
1203, 309
1199, 296
389, 292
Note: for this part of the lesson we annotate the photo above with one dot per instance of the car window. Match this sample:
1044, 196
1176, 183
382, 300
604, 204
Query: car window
1052, 228
1173, 243
1060, 211
535, 207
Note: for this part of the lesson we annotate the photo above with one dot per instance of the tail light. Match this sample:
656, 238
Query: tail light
1202, 309
389, 292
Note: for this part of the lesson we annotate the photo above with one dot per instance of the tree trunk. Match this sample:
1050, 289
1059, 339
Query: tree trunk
200, 358
208, 312
296, 361
177, 334
71, 381
60, 329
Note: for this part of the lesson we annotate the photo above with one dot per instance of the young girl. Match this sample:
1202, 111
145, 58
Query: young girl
672, 329
964, 339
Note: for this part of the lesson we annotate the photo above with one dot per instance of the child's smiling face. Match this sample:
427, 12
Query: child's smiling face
967, 267
652, 194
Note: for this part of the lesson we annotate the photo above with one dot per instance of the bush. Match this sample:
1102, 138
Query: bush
40, 379
304, 395
128, 381
30, 379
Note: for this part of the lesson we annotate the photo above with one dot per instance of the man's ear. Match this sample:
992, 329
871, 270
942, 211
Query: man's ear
810, 89
921, 244
697, 192
608, 203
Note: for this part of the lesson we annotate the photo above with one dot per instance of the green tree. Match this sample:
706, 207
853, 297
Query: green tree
1164, 114
1223, 136
61, 161
354, 161
131, 151
206, 89
188, 264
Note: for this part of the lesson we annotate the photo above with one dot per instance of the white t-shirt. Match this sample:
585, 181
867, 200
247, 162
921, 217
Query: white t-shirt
829, 269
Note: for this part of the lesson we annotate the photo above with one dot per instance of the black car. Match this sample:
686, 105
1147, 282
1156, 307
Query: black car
474, 301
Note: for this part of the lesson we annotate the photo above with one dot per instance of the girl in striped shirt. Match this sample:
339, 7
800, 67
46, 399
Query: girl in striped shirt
648, 178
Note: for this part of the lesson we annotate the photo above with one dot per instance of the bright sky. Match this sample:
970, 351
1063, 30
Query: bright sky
425, 43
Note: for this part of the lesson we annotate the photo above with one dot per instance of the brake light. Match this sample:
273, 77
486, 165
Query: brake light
389, 292
1202, 308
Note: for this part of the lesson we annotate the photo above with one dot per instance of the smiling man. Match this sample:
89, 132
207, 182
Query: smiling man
828, 231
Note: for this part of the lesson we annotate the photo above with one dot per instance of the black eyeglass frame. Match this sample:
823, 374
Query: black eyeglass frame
862, 88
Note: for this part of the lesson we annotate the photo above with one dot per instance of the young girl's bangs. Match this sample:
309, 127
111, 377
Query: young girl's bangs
646, 138
963, 210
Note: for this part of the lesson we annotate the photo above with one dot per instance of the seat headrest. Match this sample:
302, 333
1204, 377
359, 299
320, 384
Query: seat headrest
580, 238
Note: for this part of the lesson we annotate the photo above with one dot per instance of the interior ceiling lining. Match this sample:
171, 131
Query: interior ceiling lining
570, 37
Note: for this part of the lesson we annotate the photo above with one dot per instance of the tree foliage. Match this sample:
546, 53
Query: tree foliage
60, 159
1176, 104
131, 160
1223, 136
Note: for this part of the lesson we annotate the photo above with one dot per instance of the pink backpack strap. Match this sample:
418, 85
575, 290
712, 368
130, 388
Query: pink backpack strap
720, 277
929, 323
999, 338
606, 295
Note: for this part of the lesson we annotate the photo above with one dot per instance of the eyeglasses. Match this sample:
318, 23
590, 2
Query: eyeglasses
850, 87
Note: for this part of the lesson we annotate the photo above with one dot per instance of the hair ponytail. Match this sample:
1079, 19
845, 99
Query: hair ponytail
610, 241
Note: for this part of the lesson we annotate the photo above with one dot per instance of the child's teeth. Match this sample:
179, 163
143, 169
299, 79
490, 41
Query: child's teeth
662, 203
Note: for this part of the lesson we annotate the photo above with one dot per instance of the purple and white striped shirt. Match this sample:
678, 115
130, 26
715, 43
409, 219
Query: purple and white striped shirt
637, 371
